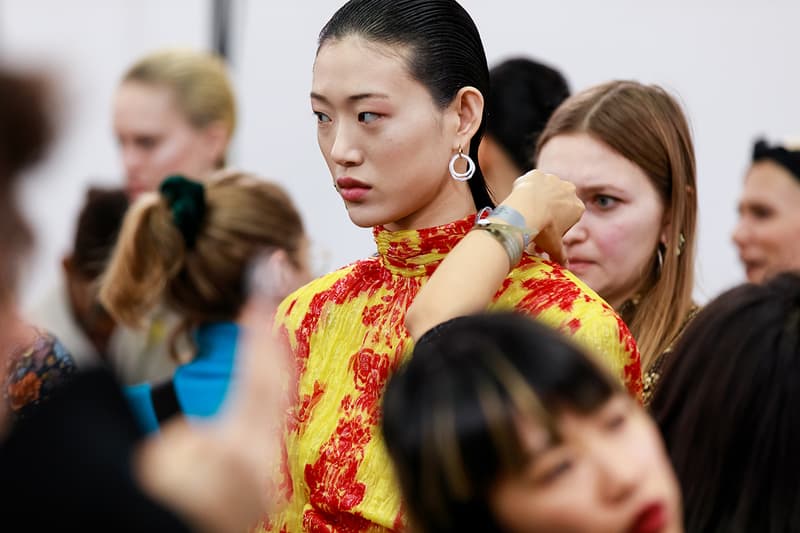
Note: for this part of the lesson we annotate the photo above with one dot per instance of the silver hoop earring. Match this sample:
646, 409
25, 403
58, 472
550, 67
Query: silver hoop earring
660, 257
467, 174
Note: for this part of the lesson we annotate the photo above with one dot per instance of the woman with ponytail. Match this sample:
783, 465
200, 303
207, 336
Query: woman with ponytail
398, 92
191, 246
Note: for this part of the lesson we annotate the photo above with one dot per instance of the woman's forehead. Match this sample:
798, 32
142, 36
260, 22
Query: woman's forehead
355, 65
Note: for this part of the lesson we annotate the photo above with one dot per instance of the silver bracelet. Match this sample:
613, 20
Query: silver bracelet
507, 236
510, 216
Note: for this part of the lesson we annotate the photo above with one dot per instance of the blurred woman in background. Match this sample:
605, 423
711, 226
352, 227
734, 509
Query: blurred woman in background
769, 218
189, 247
81, 461
174, 113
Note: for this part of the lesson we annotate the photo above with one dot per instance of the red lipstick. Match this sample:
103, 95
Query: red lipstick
351, 189
651, 519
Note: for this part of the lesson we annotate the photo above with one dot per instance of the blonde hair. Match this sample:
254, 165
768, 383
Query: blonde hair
646, 125
198, 80
151, 263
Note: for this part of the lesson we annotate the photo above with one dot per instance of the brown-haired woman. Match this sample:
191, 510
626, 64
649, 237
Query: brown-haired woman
627, 148
191, 246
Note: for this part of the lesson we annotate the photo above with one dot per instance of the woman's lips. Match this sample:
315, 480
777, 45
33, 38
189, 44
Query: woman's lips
577, 264
351, 189
652, 519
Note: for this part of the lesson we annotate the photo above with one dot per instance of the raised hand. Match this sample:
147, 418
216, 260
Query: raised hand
550, 207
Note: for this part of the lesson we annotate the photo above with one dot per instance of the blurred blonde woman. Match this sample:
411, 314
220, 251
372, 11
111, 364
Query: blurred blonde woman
174, 113
190, 246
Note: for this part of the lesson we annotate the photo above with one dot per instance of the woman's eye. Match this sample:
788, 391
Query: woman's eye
761, 212
322, 117
552, 473
605, 202
367, 117
146, 142
615, 416
616, 421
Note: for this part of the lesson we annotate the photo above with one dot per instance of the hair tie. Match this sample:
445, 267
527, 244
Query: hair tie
788, 159
187, 202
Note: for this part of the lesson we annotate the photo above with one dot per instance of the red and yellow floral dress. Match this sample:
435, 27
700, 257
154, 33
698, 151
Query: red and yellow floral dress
346, 331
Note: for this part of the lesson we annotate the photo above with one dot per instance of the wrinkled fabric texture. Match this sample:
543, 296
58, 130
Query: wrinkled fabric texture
346, 331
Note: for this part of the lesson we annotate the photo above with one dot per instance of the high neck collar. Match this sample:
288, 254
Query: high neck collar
418, 252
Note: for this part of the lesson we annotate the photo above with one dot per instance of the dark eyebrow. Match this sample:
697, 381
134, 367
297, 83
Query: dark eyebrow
353, 98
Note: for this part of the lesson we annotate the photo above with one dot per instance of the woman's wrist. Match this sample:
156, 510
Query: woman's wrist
507, 226
504, 214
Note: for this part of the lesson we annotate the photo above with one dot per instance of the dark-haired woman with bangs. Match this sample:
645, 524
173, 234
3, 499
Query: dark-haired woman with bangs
398, 91
498, 424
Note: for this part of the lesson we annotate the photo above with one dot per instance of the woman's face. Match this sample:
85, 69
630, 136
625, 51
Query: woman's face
769, 222
386, 143
608, 474
157, 140
615, 242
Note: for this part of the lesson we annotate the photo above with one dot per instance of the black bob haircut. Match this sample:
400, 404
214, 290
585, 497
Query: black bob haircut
449, 413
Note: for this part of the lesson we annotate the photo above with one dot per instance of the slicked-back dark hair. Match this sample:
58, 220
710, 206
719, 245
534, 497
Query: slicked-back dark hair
446, 52
450, 414
728, 406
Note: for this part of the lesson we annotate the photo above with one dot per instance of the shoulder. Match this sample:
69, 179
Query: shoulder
323, 287
36, 369
555, 296
542, 285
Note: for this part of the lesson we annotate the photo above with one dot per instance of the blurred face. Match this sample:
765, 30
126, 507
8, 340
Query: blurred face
615, 243
769, 222
609, 474
386, 143
156, 140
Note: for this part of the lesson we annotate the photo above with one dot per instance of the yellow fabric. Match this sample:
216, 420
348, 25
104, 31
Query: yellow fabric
347, 334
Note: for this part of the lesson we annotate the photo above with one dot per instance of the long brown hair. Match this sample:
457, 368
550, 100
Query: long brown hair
151, 263
647, 126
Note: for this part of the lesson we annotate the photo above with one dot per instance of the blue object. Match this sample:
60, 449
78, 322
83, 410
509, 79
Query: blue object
200, 385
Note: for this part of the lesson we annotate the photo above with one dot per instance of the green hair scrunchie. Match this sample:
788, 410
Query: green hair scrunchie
187, 201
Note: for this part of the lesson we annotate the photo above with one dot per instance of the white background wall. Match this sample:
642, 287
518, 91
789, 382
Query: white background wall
732, 65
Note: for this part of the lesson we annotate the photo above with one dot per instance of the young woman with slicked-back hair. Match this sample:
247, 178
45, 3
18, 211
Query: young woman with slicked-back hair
398, 92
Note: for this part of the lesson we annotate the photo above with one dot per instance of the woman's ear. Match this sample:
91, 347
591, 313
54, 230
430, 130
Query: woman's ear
273, 276
468, 109
216, 138
666, 228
